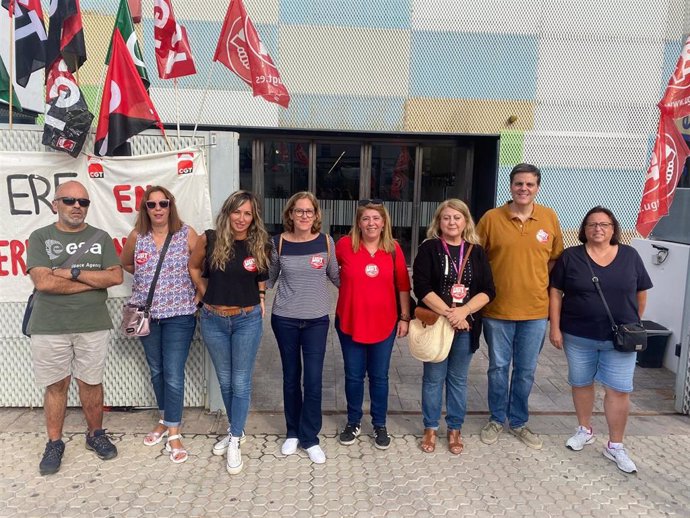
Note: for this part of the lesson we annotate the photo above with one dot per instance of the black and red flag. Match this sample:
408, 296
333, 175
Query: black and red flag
29, 38
68, 120
126, 108
173, 54
242, 51
66, 34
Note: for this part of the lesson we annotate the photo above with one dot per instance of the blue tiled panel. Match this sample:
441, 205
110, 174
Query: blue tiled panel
381, 14
203, 47
672, 51
619, 190
473, 66
344, 112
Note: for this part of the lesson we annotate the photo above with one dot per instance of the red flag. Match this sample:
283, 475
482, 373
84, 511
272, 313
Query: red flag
241, 50
670, 150
173, 54
66, 34
126, 108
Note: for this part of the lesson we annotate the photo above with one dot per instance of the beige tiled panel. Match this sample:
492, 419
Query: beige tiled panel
260, 11
500, 16
223, 107
466, 115
345, 61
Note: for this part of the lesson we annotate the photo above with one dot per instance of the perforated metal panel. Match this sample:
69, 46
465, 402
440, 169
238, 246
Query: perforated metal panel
126, 378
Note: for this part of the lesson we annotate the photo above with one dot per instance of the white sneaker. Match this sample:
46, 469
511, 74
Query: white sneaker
582, 437
222, 446
620, 457
234, 465
289, 447
316, 454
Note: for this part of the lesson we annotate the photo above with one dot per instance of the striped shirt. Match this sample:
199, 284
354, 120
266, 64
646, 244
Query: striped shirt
301, 272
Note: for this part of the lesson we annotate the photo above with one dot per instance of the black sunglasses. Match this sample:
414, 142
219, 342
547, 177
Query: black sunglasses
374, 201
164, 204
69, 201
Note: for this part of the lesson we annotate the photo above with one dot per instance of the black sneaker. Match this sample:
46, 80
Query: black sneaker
52, 457
350, 433
381, 438
100, 444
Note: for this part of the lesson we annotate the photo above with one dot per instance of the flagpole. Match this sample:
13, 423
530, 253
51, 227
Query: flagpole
11, 62
177, 107
203, 98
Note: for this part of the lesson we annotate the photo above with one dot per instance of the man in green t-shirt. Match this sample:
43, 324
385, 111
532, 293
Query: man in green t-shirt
70, 324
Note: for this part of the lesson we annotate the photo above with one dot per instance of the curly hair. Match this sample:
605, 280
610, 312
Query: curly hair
258, 243
288, 224
469, 233
143, 223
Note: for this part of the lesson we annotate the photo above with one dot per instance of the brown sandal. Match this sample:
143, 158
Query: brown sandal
429, 440
455, 444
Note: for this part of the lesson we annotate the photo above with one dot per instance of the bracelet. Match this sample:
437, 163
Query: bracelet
262, 292
404, 317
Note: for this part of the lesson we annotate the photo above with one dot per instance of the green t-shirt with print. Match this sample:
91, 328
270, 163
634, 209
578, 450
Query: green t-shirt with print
79, 312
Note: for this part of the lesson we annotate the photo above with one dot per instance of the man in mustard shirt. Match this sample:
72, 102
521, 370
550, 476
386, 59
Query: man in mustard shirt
522, 239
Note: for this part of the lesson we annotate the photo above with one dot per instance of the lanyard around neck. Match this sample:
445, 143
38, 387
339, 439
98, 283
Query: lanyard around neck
462, 252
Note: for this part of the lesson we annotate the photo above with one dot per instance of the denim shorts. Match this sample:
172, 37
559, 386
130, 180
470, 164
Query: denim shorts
596, 360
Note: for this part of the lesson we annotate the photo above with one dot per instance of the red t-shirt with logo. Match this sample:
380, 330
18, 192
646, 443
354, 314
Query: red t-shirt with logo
367, 308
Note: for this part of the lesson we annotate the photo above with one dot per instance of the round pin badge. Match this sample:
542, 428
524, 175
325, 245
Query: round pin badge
371, 270
249, 264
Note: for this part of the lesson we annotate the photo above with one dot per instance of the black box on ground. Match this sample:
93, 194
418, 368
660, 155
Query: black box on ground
657, 339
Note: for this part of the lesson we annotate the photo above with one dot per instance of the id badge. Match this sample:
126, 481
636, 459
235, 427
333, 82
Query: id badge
458, 292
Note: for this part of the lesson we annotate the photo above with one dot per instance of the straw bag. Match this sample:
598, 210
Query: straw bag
430, 336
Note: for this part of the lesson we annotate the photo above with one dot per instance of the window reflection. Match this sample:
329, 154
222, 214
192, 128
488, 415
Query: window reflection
245, 164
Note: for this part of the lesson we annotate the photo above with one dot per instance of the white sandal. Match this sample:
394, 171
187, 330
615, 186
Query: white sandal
153, 438
175, 452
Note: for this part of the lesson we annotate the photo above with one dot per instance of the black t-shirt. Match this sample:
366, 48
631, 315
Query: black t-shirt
238, 284
583, 313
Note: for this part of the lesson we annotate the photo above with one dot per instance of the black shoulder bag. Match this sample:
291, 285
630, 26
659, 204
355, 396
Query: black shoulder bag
627, 338
69, 262
136, 319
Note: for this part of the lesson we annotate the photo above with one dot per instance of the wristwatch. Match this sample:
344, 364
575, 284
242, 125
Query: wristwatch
75, 273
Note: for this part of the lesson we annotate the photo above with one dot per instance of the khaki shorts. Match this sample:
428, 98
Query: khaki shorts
81, 355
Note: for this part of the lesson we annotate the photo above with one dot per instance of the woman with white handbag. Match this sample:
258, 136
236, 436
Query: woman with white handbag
452, 278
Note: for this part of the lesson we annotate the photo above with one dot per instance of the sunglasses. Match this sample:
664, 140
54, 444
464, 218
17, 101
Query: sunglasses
163, 204
69, 201
374, 201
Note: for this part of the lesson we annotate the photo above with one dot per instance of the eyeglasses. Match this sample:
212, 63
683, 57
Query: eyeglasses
69, 201
374, 201
163, 204
307, 213
603, 226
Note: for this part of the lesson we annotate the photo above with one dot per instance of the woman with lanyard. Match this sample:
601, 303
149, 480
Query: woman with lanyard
173, 307
303, 266
373, 281
234, 259
452, 277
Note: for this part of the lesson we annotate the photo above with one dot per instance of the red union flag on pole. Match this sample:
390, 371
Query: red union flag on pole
173, 53
241, 50
670, 150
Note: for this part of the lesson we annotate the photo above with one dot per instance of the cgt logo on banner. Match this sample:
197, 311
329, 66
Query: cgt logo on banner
116, 187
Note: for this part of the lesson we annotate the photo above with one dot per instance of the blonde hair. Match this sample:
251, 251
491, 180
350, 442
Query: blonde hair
257, 238
387, 243
469, 233
289, 225
143, 223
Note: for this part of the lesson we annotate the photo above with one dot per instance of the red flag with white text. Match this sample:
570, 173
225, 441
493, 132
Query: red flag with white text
126, 108
173, 53
241, 50
670, 149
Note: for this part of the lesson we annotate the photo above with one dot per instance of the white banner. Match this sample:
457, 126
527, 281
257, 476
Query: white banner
115, 186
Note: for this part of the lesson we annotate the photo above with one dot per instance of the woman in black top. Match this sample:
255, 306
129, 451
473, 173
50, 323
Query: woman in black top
581, 326
457, 296
229, 267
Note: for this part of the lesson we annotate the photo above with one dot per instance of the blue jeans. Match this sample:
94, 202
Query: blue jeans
302, 343
520, 342
167, 348
233, 343
453, 371
370, 359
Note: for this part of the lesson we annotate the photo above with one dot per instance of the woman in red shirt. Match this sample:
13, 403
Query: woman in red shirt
373, 281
